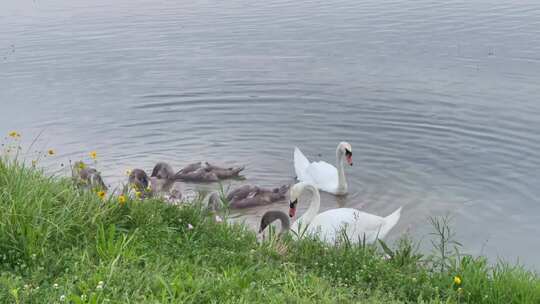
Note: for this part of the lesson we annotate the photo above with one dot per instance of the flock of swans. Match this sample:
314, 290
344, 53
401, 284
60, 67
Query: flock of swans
329, 226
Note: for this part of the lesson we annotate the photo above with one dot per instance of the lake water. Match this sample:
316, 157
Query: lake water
439, 99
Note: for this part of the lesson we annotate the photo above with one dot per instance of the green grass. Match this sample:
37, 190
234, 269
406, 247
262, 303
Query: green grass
58, 243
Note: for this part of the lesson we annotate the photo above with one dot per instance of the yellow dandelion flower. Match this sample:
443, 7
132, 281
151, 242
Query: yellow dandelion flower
138, 194
122, 199
51, 152
101, 194
128, 172
93, 155
14, 134
457, 280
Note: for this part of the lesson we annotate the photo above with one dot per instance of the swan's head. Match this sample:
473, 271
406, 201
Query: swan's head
294, 195
264, 223
292, 208
139, 180
162, 171
266, 220
270, 216
344, 148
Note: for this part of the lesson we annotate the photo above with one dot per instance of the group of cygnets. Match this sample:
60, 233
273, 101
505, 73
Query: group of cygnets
330, 226
163, 178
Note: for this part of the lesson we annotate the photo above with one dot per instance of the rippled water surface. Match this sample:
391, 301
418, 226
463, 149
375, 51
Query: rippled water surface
439, 99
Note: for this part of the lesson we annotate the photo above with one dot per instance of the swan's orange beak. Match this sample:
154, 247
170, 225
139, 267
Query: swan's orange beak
292, 208
348, 156
292, 212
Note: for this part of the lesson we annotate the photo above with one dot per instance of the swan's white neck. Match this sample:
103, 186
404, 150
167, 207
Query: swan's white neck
314, 206
342, 180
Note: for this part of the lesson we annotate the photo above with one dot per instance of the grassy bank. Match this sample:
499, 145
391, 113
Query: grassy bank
58, 244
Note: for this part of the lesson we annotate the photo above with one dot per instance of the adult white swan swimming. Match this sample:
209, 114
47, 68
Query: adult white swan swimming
331, 224
323, 175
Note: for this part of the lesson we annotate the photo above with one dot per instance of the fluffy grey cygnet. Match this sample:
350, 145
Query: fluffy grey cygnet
87, 177
196, 172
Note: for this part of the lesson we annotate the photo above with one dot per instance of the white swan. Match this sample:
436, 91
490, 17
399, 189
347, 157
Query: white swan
330, 225
323, 175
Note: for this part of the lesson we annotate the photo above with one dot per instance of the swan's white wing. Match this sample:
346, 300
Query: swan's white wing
300, 164
323, 175
331, 224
